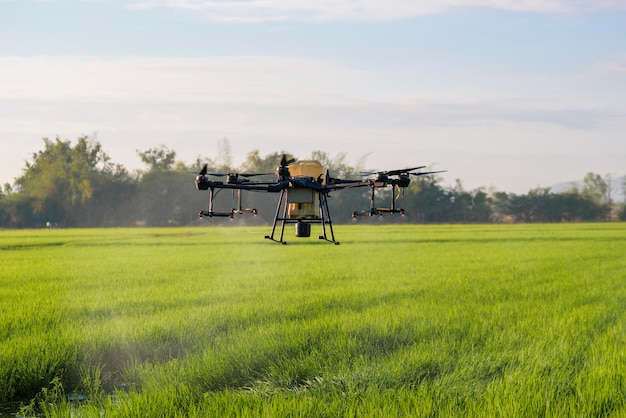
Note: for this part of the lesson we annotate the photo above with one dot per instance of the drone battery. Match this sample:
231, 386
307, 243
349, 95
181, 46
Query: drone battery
303, 229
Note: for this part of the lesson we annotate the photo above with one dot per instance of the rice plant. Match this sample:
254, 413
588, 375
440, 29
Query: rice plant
480, 320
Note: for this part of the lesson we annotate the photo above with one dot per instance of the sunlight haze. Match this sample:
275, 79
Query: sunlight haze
504, 94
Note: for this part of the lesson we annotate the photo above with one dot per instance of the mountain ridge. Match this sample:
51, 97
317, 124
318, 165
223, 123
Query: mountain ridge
617, 190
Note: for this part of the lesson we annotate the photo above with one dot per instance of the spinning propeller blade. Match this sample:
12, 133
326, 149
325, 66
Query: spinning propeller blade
405, 170
284, 162
391, 172
422, 173
254, 174
239, 174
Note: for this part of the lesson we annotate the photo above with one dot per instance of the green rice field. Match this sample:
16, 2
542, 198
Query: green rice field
398, 320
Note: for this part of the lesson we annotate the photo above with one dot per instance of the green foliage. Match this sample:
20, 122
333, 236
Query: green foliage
62, 172
159, 159
255, 163
63, 182
500, 320
76, 185
541, 205
49, 401
595, 188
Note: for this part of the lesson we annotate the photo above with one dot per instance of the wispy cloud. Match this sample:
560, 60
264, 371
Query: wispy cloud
244, 79
187, 103
324, 10
257, 82
609, 68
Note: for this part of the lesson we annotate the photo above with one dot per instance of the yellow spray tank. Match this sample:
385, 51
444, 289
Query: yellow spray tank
304, 202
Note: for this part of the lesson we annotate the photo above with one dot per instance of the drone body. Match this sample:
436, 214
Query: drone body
303, 189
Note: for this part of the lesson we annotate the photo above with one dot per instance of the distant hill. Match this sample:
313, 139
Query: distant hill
617, 192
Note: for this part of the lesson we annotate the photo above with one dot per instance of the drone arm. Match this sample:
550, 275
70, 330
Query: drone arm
423, 173
339, 184
264, 187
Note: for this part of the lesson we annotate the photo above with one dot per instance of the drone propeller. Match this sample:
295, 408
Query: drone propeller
391, 172
202, 182
284, 162
238, 174
327, 178
405, 170
254, 174
423, 173
283, 169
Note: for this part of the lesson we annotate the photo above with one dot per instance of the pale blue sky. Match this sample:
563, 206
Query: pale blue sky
512, 94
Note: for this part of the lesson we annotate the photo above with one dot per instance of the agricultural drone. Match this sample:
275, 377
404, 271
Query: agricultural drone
303, 188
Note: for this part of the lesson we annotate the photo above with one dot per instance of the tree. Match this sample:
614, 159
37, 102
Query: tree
16, 212
482, 207
255, 163
622, 215
574, 206
530, 207
75, 184
159, 159
6, 190
595, 188
500, 206
224, 156
4, 215
112, 204
425, 201
541, 205
165, 193
62, 178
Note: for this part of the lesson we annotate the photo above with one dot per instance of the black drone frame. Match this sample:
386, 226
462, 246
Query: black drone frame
310, 188
303, 225
380, 211
399, 181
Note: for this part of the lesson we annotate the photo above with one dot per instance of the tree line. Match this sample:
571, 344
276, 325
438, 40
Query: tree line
77, 185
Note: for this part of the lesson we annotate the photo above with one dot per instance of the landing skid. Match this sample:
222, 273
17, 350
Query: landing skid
374, 211
377, 212
230, 214
303, 225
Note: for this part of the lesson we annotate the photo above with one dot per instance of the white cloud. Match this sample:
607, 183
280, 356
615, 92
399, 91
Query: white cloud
300, 105
258, 81
609, 68
279, 10
166, 80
